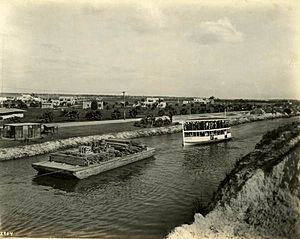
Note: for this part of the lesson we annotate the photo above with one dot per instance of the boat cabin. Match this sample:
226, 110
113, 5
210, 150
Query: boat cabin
21, 131
205, 130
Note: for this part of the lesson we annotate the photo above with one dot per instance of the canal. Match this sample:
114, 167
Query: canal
143, 200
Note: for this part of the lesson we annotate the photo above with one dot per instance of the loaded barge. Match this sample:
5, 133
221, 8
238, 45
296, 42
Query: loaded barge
98, 157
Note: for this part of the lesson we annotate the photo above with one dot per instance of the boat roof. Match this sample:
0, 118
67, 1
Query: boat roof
206, 119
21, 124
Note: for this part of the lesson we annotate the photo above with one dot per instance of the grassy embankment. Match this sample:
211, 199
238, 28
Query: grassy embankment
260, 198
74, 131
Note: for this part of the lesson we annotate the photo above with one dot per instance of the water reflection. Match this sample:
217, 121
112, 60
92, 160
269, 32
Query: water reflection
197, 157
96, 182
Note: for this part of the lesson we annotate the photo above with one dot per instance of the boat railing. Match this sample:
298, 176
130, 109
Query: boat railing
203, 130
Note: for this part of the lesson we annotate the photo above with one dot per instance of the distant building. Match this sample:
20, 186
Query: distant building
6, 113
66, 100
2, 99
47, 105
151, 101
28, 99
88, 105
201, 101
20, 131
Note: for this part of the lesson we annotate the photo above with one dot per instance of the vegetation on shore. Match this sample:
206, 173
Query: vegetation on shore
151, 121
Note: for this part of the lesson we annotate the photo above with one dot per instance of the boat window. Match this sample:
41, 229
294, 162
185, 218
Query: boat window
202, 134
226, 123
205, 125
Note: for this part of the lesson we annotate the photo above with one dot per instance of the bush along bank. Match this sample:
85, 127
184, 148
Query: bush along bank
248, 118
260, 198
51, 146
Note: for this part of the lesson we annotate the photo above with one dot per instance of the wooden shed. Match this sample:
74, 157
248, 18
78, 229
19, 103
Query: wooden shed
21, 131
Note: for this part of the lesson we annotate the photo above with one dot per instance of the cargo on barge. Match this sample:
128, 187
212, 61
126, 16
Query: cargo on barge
98, 157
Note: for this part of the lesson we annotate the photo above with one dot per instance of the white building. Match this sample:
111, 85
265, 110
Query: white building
29, 98
201, 101
151, 101
2, 99
88, 105
66, 100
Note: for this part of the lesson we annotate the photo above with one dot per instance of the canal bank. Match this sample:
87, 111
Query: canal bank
50, 146
259, 198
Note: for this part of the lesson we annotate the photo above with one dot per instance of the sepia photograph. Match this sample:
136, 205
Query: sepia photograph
150, 119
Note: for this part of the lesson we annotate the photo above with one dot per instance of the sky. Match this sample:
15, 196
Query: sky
236, 49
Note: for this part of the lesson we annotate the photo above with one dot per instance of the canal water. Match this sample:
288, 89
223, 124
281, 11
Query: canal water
143, 200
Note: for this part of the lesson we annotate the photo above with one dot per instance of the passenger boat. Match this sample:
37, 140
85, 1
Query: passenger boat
205, 130
98, 157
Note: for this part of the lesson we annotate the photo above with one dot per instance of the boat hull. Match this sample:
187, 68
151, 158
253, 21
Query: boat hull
206, 140
81, 172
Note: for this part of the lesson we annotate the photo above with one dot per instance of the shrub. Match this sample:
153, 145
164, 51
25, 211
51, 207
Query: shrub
161, 112
116, 114
14, 119
47, 117
133, 113
94, 115
94, 105
287, 111
21, 104
193, 111
183, 111
71, 115
150, 121
158, 123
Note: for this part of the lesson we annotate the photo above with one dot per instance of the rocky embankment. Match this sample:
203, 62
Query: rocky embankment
260, 198
50, 146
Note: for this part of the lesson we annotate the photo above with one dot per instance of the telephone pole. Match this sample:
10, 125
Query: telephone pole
124, 112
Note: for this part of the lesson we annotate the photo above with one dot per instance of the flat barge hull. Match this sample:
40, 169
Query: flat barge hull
81, 172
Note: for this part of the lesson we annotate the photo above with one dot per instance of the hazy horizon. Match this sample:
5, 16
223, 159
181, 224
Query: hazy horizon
188, 49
